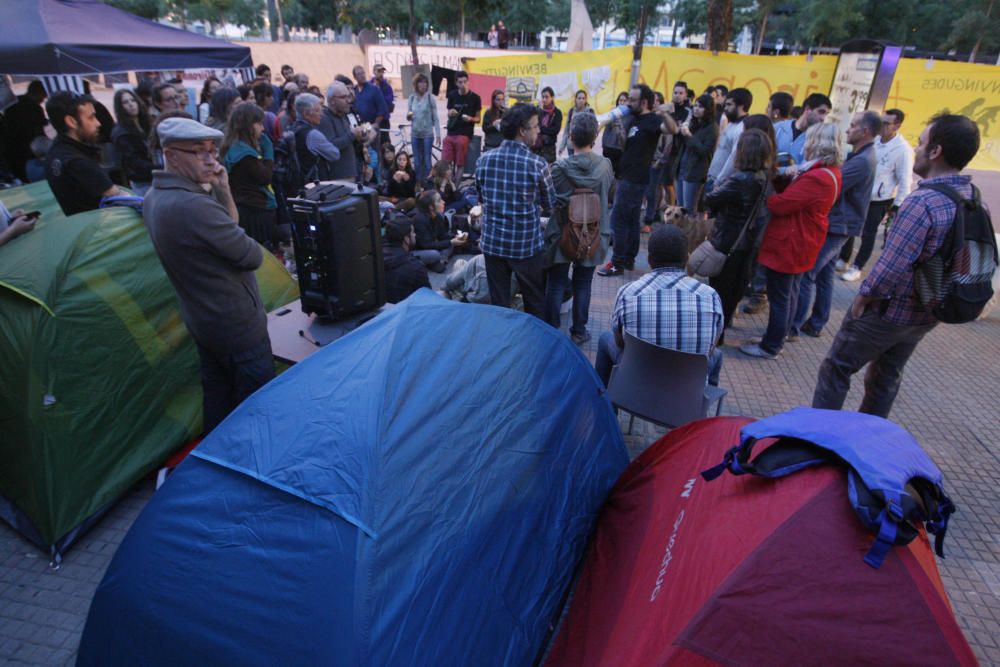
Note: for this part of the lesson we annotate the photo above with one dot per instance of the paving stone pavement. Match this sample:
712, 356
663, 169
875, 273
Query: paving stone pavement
948, 401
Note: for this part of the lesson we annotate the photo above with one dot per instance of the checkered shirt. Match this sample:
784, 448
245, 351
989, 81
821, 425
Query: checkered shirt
513, 183
916, 233
669, 309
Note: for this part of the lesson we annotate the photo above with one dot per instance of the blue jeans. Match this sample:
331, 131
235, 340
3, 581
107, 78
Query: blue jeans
559, 280
783, 294
422, 156
625, 223
609, 354
820, 275
653, 193
688, 194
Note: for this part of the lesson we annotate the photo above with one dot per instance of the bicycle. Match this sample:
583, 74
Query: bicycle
403, 142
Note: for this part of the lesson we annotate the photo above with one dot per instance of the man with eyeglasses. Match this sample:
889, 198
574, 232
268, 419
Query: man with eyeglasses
192, 221
73, 163
893, 181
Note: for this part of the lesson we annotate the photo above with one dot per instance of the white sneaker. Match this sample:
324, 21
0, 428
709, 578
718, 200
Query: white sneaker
851, 274
841, 266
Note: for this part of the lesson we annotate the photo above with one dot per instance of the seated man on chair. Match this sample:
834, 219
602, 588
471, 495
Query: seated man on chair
665, 307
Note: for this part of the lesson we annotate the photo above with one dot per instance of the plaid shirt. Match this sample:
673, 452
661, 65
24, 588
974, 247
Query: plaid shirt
512, 183
916, 233
669, 309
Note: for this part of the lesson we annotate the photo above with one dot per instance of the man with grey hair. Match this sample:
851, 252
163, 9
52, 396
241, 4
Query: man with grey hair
315, 153
847, 217
210, 261
338, 129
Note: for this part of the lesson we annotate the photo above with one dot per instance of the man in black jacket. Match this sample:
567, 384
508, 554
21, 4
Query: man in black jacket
404, 273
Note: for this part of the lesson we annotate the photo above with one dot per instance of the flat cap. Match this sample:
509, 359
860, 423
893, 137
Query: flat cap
185, 129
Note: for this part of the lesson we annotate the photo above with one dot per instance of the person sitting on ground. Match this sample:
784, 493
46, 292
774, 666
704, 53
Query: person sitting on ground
222, 104
248, 156
402, 183
467, 281
73, 165
13, 224
665, 307
434, 242
404, 273
583, 168
131, 140
34, 168
386, 161
441, 179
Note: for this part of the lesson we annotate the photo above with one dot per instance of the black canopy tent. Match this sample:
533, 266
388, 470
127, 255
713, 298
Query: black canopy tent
80, 37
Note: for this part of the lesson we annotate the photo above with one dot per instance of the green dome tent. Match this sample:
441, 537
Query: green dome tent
99, 378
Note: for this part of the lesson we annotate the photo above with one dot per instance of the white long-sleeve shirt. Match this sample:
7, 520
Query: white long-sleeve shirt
893, 170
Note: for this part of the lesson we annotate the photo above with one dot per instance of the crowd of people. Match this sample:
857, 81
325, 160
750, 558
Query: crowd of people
550, 205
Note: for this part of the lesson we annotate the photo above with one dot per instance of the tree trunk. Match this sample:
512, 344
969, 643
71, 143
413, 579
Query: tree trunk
272, 20
720, 24
673, 20
461, 23
413, 35
640, 37
979, 40
760, 35
281, 21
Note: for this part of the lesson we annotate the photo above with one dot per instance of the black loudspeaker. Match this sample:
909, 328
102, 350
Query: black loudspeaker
338, 249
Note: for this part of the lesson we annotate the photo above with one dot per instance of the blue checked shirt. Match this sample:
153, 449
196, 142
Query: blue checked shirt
916, 233
669, 309
513, 183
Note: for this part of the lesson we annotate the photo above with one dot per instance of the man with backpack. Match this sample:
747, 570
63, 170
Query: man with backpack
917, 281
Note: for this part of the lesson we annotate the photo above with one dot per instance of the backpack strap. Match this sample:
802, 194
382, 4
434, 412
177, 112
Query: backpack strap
956, 233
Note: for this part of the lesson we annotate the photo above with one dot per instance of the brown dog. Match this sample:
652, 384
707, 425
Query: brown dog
695, 227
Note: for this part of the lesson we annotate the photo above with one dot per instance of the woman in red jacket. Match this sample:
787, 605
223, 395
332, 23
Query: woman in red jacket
797, 231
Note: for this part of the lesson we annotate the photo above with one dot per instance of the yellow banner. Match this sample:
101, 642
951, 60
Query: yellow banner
762, 75
924, 88
920, 89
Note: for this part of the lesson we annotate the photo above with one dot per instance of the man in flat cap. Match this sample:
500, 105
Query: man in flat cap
210, 261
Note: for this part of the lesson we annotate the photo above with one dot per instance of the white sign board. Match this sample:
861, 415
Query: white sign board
394, 56
852, 84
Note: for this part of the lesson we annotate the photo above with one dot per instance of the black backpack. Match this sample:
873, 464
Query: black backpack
287, 174
955, 283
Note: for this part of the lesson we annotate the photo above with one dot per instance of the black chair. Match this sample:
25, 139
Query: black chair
661, 385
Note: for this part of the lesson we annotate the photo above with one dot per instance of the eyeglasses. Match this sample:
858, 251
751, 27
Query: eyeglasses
201, 154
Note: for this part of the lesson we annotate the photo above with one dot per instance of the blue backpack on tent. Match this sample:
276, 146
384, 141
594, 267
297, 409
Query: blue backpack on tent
893, 485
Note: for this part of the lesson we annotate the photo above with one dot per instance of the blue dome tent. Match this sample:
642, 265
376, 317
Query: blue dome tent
417, 493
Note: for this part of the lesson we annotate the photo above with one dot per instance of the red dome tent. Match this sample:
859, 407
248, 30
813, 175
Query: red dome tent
747, 571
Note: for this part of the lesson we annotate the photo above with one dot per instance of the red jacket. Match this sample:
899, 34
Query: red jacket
798, 225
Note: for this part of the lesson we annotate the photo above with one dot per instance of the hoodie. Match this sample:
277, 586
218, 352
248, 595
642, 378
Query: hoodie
580, 170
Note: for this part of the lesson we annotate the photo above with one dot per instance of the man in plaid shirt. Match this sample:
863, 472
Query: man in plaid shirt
886, 321
666, 308
514, 185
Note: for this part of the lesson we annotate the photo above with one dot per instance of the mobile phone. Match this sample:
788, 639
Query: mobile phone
33, 215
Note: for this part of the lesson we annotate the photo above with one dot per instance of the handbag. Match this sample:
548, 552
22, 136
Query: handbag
707, 260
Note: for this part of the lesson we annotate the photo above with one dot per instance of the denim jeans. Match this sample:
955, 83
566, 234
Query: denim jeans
782, 293
422, 156
821, 275
884, 346
625, 224
688, 194
609, 354
876, 213
228, 377
653, 194
559, 280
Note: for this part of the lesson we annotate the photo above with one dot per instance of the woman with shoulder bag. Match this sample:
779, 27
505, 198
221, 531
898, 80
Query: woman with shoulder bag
796, 232
736, 203
583, 169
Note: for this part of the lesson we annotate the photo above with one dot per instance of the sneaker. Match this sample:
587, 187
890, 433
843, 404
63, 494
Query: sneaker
792, 338
754, 350
808, 330
841, 266
851, 274
755, 304
610, 269
580, 339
